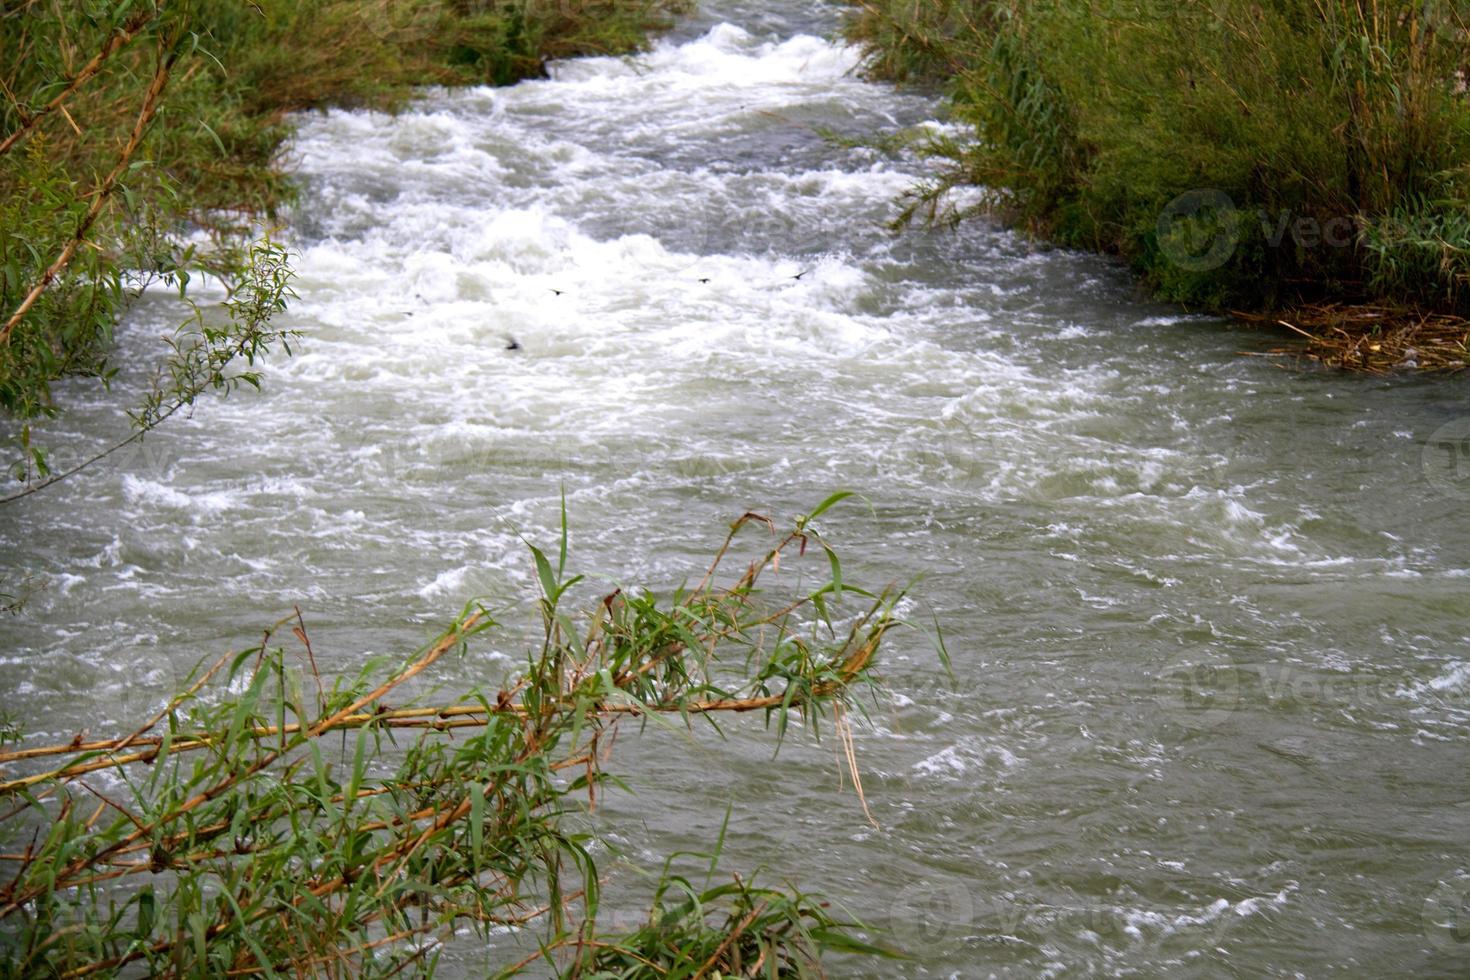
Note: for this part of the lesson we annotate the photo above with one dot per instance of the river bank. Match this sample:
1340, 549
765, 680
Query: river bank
1210, 700
1306, 163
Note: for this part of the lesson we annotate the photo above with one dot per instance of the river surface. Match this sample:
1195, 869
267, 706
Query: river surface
1208, 617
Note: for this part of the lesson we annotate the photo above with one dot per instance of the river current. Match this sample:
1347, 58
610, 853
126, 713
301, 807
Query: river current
1208, 616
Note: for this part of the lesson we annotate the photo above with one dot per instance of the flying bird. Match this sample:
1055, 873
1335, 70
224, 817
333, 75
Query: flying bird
511, 343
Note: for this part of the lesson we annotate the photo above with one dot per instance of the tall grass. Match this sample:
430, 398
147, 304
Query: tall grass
1325, 143
270, 821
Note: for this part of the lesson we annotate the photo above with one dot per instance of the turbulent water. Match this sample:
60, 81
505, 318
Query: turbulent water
1208, 617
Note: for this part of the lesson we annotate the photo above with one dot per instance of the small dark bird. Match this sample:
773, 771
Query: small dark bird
557, 291
704, 280
800, 274
511, 343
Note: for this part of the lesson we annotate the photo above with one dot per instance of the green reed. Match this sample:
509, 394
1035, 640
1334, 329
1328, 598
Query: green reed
1335, 132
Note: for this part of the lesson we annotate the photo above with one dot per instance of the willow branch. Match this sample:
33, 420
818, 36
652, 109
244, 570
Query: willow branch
101, 194
111, 46
459, 632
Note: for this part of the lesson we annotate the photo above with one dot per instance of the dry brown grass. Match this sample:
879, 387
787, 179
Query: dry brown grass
1371, 339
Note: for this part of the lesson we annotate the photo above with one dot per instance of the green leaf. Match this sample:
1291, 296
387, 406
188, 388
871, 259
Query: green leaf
942, 650
822, 508
215, 136
147, 913
561, 564
544, 573
841, 940
246, 933
836, 571
477, 824
359, 767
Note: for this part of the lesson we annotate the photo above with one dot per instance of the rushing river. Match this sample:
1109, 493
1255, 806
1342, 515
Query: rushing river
1208, 617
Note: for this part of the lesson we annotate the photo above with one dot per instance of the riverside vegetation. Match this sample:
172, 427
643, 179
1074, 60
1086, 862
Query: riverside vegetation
268, 820
1301, 161
138, 144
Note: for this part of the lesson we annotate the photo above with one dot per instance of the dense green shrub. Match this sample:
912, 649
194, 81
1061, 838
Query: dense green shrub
1237, 153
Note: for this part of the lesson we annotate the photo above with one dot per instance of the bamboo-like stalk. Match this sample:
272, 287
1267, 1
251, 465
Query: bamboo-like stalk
114, 43
476, 818
440, 719
101, 194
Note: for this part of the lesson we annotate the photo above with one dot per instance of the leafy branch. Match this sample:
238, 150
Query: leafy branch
226, 842
202, 354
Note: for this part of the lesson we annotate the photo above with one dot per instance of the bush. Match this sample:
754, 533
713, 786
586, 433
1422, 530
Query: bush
1236, 153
